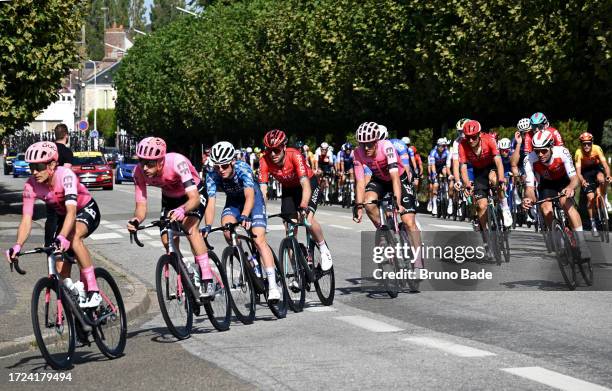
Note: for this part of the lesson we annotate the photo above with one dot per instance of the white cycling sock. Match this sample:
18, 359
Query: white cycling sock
271, 276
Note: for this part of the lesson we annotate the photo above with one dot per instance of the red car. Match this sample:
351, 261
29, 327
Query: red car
93, 170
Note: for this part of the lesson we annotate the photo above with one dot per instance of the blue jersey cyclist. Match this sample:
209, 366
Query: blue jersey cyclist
345, 166
436, 164
244, 203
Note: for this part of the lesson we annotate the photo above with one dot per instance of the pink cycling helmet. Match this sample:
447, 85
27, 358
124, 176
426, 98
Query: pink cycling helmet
151, 148
41, 152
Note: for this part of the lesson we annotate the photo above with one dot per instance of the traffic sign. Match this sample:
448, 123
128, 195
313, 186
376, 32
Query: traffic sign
94, 134
83, 125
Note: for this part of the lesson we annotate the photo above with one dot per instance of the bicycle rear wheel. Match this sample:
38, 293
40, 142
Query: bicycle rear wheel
324, 281
294, 274
111, 334
565, 257
279, 309
385, 238
175, 301
493, 235
219, 307
240, 284
53, 325
602, 217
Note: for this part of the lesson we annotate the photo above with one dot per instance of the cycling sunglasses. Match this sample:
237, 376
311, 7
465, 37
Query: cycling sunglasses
588, 143
369, 145
540, 151
147, 163
275, 151
473, 137
505, 150
38, 167
222, 167
537, 126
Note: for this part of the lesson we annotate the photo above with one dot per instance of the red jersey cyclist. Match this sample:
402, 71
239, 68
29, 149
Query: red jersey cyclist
480, 151
183, 199
78, 213
300, 188
554, 169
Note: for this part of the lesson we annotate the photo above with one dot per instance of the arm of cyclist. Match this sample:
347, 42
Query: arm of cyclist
193, 201
581, 179
249, 202
464, 177
500, 170
571, 173
23, 232
397, 188
140, 195
306, 192
360, 184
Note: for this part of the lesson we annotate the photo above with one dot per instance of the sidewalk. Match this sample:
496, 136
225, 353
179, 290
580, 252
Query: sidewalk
16, 333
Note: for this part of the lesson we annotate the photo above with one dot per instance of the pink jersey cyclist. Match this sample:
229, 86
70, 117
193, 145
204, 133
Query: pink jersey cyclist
65, 190
178, 176
385, 161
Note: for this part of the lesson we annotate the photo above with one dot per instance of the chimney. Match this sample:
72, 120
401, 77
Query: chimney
117, 37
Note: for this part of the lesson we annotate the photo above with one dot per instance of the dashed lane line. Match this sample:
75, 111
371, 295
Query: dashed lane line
113, 226
108, 235
369, 324
554, 379
449, 347
340, 226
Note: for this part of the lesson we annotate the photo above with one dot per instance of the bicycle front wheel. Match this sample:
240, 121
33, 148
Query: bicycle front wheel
53, 325
241, 288
564, 254
325, 281
293, 274
385, 238
279, 309
175, 301
602, 217
219, 307
111, 333
493, 235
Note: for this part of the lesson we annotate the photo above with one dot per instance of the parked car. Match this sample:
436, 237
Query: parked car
112, 156
93, 170
8, 161
125, 170
20, 166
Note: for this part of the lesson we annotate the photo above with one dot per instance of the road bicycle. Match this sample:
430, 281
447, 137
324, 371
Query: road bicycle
348, 191
496, 233
177, 285
391, 232
442, 196
246, 280
54, 309
564, 243
301, 265
601, 217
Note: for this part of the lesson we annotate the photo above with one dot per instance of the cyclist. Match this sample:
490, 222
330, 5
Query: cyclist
244, 203
345, 166
323, 166
540, 122
553, 167
78, 213
436, 164
300, 189
388, 176
183, 199
505, 152
521, 146
480, 150
591, 166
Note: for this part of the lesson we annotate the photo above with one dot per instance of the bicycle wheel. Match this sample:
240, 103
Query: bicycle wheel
563, 252
324, 281
503, 235
279, 309
602, 217
385, 238
492, 234
241, 288
175, 301
219, 307
111, 333
413, 284
53, 325
294, 274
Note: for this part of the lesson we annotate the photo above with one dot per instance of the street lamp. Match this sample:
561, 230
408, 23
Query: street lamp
186, 11
95, 94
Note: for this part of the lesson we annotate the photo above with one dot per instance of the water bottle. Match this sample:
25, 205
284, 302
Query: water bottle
71, 287
194, 275
255, 265
81, 291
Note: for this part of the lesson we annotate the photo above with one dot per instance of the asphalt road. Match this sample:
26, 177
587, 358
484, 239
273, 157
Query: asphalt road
527, 333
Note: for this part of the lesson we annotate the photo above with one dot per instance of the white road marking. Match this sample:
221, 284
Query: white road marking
109, 235
275, 227
339, 226
333, 214
153, 243
554, 379
449, 347
369, 324
450, 226
104, 222
320, 309
113, 226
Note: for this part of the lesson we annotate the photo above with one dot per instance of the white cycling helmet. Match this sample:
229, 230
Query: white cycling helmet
441, 141
324, 145
460, 123
368, 132
406, 140
249, 149
524, 125
383, 132
222, 152
504, 143
543, 139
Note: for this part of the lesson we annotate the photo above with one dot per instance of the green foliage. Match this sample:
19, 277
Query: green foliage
164, 11
106, 123
319, 68
571, 130
37, 48
423, 141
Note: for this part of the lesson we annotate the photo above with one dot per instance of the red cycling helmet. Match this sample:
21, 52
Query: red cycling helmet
471, 128
275, 138
586, 136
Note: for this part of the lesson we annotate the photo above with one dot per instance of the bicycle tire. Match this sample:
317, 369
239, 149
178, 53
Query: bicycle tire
602, 217
240, 284
114, 309
503, 235
293, 274
492, 240
563, 253
325, 290
391, 286
65, 332
219, 308
586, 270
412, 284
279, 309
167, 288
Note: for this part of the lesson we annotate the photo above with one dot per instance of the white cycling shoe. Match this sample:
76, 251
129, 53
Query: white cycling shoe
326, 260
507, 215
449, 208
273, 295
429, 206
92, 300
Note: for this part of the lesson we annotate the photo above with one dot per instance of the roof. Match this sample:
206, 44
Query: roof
104, 76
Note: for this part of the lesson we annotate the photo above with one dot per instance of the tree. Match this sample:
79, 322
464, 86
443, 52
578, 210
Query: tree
106, 122
37, 48
164, 11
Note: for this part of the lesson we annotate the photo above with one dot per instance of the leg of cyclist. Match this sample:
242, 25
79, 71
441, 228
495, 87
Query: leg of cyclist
310, 203
200, 253
502, 198
567, 203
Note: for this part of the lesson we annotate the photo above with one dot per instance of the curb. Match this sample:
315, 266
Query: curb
136, 305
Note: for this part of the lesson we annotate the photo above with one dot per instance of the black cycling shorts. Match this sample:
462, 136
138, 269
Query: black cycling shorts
169, 203
481, 181
292, 198
381, 188
590, 174
548, 188
88, 215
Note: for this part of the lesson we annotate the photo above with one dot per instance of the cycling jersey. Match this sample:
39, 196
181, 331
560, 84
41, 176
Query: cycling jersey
590, 161
65, 190
176, 178
324, 160
527, 145
289, 174
487, 154
347, 158
403, 151
559, 167
384, 161
506, 164
234, 186
437, 158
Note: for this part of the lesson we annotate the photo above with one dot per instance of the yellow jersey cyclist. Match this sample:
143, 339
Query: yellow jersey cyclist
78, 213
593, 172
183, 199
244, 203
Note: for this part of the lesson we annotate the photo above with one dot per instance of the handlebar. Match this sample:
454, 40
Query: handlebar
289, 220
161, 223
38, 250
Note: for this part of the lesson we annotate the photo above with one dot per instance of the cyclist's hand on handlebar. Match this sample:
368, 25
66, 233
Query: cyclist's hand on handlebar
585, 183
206, 230
358, 215
11, 253
133, 224
245, 221
568, 192
609, 179
177, 214
527, 203
61, 243
458, 186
